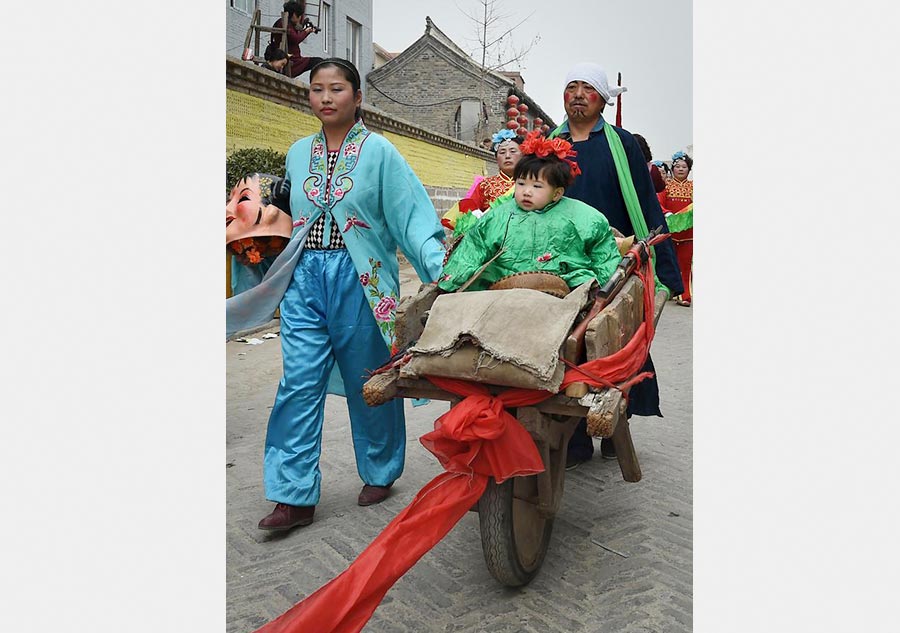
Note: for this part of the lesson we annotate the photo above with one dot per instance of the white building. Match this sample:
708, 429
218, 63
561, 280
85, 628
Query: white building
346, 29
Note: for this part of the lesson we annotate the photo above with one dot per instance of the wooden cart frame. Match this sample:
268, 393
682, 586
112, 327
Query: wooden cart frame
516, 517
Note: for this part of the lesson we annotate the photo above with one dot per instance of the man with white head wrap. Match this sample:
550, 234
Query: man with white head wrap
586, 94
595, 76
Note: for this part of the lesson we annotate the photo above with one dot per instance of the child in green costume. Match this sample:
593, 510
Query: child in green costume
538, 229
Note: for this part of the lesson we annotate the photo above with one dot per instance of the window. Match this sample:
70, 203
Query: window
244, 6
354, 41
325, 25
465, 122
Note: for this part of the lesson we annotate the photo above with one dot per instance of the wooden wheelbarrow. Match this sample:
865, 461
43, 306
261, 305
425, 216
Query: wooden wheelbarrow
516, 517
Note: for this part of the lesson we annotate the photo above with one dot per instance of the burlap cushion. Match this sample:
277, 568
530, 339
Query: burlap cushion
500, 337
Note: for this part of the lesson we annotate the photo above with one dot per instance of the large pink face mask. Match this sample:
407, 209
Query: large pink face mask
257, 219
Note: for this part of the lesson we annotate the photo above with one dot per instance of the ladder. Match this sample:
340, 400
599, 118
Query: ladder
252, 54
256, 27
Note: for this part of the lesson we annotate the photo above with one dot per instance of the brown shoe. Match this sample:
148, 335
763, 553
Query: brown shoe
370, 495
285, 517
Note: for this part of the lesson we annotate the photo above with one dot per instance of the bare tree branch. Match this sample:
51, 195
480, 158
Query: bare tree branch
509, 30
488, 19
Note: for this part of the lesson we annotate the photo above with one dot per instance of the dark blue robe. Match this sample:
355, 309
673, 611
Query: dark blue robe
598, 186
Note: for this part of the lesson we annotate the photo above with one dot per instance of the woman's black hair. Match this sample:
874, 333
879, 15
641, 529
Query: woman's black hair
518, 140
685, 158
347, 69
274, 53
557, 172
645, 148
294, 8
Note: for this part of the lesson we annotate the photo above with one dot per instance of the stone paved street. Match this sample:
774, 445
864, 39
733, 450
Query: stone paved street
619, 559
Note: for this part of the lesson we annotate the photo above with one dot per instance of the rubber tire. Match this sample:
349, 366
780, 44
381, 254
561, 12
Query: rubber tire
498, 541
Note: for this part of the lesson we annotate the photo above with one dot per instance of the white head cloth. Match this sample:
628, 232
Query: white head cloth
594, 75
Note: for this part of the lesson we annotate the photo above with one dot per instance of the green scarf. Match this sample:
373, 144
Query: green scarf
681, 221
632, 205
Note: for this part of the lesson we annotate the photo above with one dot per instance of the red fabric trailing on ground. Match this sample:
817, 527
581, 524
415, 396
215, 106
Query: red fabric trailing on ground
476, 439
345, 604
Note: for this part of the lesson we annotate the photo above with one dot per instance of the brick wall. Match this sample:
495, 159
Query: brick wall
427, 85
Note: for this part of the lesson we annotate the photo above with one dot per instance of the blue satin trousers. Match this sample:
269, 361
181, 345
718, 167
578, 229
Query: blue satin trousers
325, 318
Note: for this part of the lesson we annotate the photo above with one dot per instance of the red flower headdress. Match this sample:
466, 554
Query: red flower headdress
536, 144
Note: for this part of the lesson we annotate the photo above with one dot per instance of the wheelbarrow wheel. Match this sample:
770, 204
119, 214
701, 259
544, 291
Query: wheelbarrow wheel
514, 535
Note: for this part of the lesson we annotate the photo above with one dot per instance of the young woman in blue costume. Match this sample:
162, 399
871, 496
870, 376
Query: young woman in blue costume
354, 201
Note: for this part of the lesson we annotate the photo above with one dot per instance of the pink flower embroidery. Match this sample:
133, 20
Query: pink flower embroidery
364, 279
385, 309
338, 193
318, 149
354, 221
301, 222
314, 192
350, 149
546, 257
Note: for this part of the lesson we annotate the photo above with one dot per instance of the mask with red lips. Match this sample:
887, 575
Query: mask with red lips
257, 218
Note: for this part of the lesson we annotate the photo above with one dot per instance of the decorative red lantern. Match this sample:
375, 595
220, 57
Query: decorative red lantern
523, 120
512, 125
512, 113
538, 122
512, 100
523, 108
521, 132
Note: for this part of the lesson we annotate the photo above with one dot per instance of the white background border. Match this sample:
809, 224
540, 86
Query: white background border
112, 460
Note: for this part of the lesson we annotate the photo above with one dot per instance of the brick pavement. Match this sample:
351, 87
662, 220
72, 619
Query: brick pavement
643, 585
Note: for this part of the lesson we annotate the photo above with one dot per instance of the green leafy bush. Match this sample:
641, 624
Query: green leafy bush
252, 159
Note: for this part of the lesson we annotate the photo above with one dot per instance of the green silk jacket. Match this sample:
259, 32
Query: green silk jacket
569, 238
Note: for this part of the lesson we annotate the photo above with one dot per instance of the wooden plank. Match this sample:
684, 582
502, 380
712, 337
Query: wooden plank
548, 495
538, 426
410, 316
610, 330
551, 436
253, 22
561, 405
628, 461
659, 303
270, 29
577, 390
381, 387
285, 22
616, 324
604, 414
421, 388
256, 33
425, 391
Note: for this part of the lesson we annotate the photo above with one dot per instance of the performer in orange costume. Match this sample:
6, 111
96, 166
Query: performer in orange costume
505, 145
